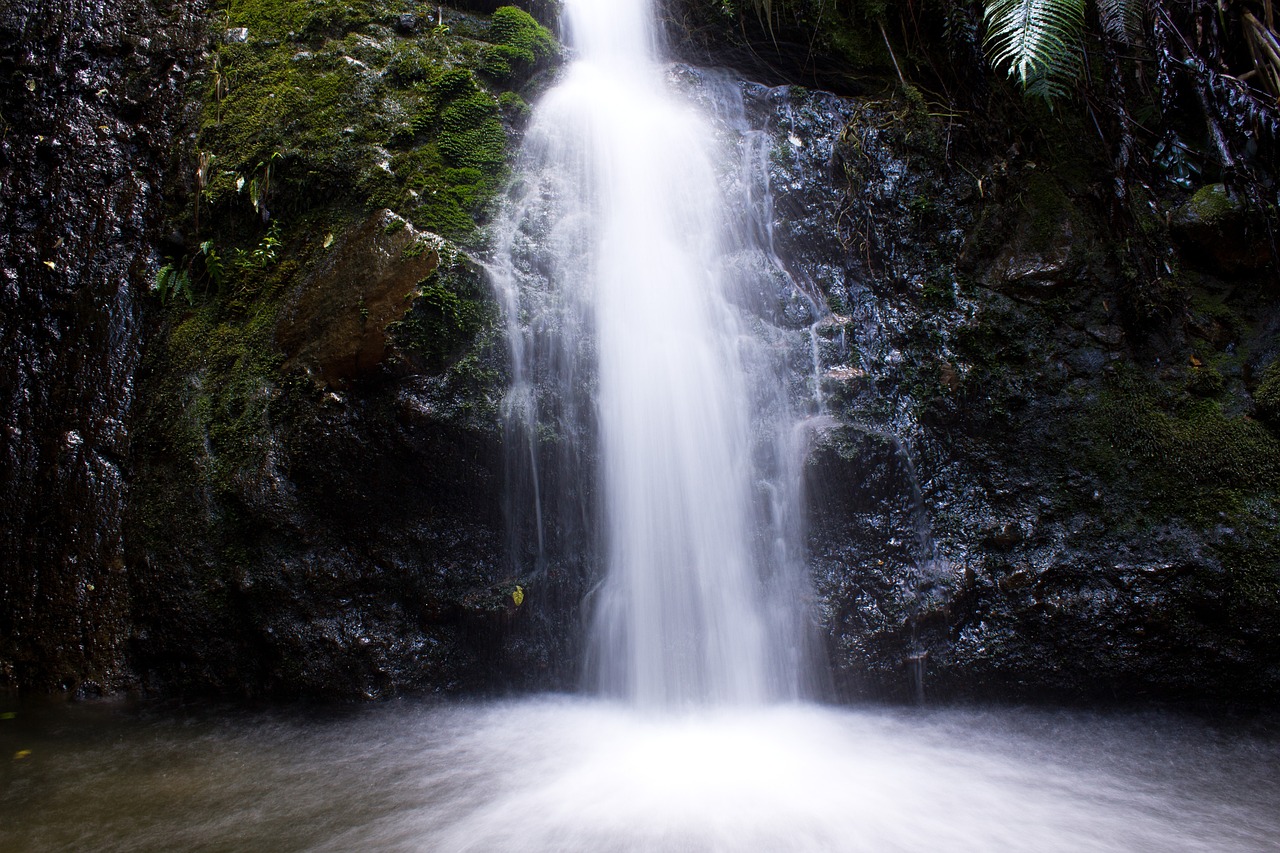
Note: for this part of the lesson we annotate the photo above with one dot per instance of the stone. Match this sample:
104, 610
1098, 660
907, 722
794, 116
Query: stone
334, 326
408, 24
1216, 229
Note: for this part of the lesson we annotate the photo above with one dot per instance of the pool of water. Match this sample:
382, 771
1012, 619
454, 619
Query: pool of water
566, 774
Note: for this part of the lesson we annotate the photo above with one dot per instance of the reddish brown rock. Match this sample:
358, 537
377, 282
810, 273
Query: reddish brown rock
334, 326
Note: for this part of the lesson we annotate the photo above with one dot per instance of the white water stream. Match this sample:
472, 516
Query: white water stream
630, 303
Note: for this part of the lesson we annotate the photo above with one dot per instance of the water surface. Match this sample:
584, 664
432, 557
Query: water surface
565, 774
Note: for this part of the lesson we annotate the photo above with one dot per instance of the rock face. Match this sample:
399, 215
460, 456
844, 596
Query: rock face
1044, 477
1217, 230
332, 528
91, 97
318, 507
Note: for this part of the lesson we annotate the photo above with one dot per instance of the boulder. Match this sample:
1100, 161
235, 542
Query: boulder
334, 325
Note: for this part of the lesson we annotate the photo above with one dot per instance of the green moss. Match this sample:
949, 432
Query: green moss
1205, 381
450, 309
295, 127
516, 29
1188, 456
1048, 208
513, 106
321, 105
297, 19
1211, 204
1266, 396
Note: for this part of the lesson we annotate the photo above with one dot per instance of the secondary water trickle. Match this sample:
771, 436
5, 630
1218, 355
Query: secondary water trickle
634, 352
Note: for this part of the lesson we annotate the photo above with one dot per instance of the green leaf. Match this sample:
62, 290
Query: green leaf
1122, 19
1039, 42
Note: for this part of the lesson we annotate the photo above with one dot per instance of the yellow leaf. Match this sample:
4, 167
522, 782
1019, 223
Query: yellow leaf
21, 754
51, 265
1195, 362
328, 240
518, 596
9, 715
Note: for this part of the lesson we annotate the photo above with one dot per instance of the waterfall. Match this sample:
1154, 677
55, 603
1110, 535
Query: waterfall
673, 462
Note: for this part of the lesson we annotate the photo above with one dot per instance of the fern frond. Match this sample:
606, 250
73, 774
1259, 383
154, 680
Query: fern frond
1037, 41
1122, 19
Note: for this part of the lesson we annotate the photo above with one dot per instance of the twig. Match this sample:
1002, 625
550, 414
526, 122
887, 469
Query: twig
885, 36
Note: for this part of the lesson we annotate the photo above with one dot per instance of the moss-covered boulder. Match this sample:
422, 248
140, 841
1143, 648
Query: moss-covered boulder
1216, 228
319, 459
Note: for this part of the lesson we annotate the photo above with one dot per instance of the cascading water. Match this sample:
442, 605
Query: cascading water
613, 263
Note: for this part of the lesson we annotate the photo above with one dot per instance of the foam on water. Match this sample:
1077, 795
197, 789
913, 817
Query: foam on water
586, 776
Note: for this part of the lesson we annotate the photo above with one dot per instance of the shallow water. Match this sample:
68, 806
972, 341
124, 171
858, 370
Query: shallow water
564, 774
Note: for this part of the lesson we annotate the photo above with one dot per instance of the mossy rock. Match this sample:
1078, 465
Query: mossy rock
450, 308
334, 326
1217, 231
1266, 397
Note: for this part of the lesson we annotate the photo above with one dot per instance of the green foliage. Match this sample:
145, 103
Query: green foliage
172, 281
1122, 19
261, 257
212, 262
448, 312
1038, 42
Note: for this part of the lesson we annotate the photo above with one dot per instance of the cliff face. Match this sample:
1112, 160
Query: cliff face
1055, 470
91, 97
260, 450
319, 447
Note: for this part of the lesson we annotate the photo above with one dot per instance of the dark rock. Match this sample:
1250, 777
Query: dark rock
1217, 229
334, 325
79, 213
408, 24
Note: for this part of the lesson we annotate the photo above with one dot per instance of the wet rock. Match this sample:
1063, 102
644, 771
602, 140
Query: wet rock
334, 326
1216, 228
408, 24
78, 216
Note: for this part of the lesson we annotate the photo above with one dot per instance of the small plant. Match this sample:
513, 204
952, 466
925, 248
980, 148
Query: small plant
171, 281
259, 185
212, 262
177, 278
261, 257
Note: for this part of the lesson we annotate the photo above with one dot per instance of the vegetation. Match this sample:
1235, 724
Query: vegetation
314, 114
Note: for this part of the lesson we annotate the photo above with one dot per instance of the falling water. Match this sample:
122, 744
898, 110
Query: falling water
632, 347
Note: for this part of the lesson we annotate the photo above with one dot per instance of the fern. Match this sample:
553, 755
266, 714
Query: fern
1122, 19
172, 281
212, 263
1038, 42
